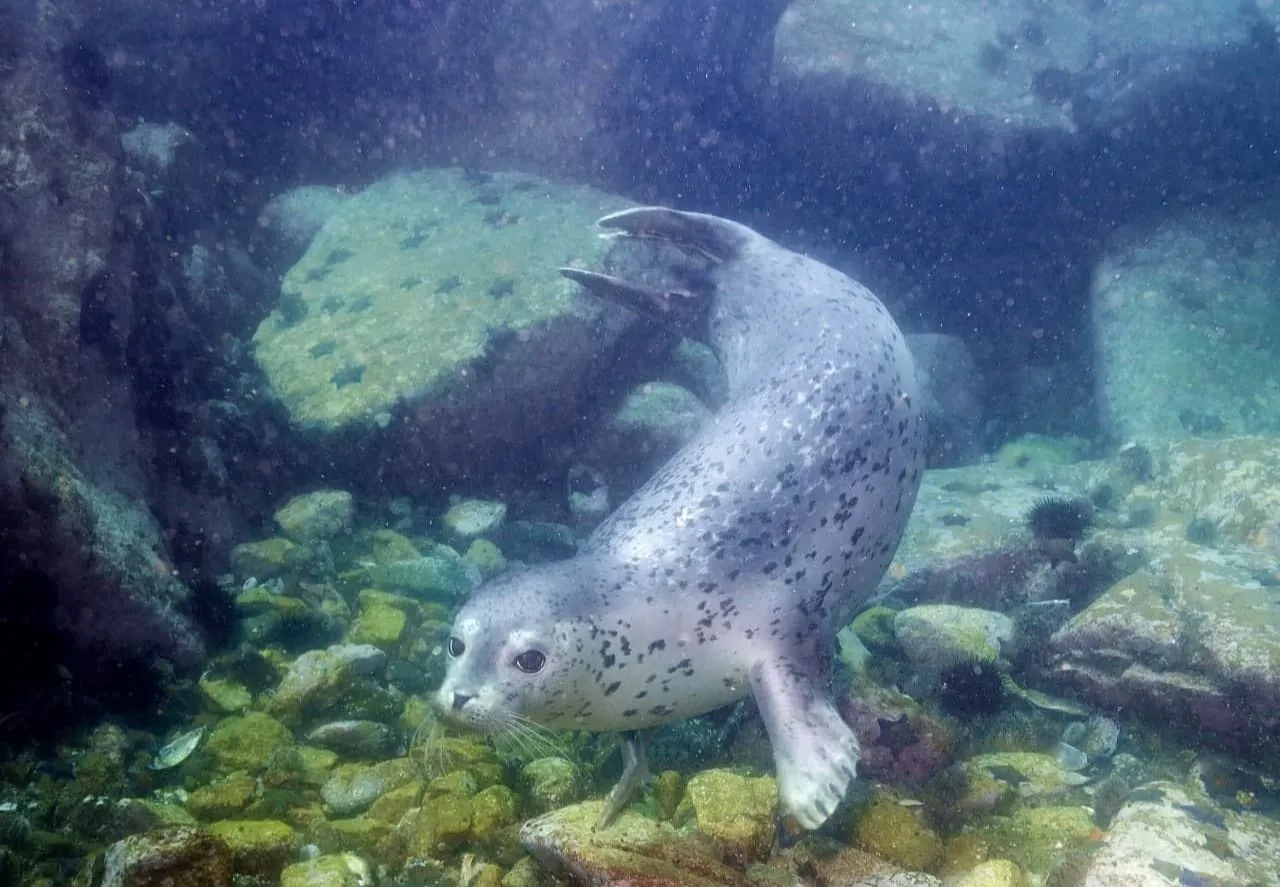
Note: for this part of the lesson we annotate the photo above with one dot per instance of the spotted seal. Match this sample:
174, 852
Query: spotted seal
731, 569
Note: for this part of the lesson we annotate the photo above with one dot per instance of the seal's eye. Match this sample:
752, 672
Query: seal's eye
456, 647
531, 661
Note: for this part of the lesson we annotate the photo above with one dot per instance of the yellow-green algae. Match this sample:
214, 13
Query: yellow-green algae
408, 281
247, 742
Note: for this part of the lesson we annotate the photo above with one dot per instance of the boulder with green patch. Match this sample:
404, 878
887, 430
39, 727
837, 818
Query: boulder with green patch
427, 323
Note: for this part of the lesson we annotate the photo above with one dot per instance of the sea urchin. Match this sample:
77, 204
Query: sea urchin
1053, 519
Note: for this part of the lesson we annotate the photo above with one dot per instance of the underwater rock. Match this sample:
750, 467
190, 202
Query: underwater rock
654, 421
334, 870
289, 222
352, 788
317, 516
492, 811
247, 742
1028, 773
487, 557
260, 848
951, 387
551, 782
268, 558
224, 798
442, 573
224, 695
994, 873
739, 812
1165, 834
186, 856
535, 542
1188, 641
474, 517
896, 833
935, 636
354, 738
1183, 313
318, 679
427, 328
380, 624
634, 849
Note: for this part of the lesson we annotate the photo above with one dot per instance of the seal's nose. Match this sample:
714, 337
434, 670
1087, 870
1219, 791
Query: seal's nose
460, 699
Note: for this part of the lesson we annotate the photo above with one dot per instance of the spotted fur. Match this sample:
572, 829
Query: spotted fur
731, 569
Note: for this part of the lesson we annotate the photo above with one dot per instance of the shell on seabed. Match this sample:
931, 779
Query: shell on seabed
174, 752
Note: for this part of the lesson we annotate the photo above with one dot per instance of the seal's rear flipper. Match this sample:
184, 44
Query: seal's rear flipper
815, 752
677, 307
717, 238
635, 767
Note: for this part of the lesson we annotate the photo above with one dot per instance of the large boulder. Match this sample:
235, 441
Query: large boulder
427, 333
1191, 640
1184, 317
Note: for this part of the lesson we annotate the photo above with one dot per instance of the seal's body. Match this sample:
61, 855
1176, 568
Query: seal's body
730, 570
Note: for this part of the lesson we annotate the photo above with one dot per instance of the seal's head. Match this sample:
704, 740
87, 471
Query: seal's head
510, 652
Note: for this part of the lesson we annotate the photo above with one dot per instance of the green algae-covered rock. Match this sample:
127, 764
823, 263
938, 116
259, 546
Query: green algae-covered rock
491, 811
934, 636
268, 558
1030, 773
370, 838
335, 870
443, 824
662, 415
247, 742
895, 833
441, 572
632, 850
171, 857
224, 695
390, 546
874, 627
420, 285
259, 847
551, 782
474, 517
318, 679
1038, 838
380, 625
224, 798
738, 811
316, 516
394, 804
994, 873
352, 788
486, 556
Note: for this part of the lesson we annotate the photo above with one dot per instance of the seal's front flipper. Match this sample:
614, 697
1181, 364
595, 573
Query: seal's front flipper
717, 238
635, 767
815, 752
676, 307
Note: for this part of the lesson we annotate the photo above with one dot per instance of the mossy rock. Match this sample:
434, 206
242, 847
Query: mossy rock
486, 556
1033, 451
316, 516
225, 696
394, 804
171, 857
390, 546
247, 742
443, 825
895, 833
1039, 838
471, 518
422, 282
368, 837
335, 870
380, 625
737, 811
259, 848
268, 558
995, 873
551, 782
492, 810
874, 627
224, 798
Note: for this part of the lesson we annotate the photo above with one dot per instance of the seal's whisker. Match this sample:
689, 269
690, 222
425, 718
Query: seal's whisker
528, 739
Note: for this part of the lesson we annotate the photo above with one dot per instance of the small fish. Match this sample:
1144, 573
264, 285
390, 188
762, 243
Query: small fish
178, 750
